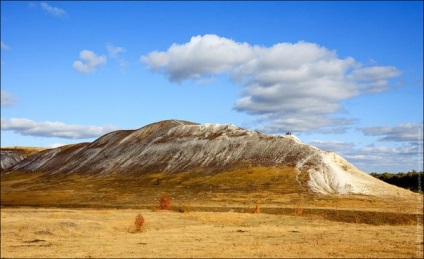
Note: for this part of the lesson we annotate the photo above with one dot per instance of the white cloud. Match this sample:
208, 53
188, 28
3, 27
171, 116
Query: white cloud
115, 52
374, 73
290, 86
404, 132
403, 154
91, 61
201, 56
4, 46
401, 158
29, 127
374, 79
7, 99
332, 145
55, 11
277, 123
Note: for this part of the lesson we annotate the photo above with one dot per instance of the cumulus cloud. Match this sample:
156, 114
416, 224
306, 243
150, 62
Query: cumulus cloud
409, 149
29, 127
4, 46
7, 99
287, 85
277, 123
372, 158
332, 145
52, 10
374, 79
201, 56
403, 132
91, 61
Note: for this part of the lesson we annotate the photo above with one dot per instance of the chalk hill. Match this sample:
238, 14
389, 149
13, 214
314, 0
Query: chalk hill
175, 146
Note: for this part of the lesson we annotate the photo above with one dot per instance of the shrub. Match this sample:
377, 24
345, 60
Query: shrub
164, 202
138, 225
139, 222
257, 208
298, 211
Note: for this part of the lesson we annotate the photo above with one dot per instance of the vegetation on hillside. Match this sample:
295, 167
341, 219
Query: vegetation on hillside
411, 180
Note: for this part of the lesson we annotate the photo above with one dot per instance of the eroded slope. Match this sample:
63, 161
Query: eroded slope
174, 147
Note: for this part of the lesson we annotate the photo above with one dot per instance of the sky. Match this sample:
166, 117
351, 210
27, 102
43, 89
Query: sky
341, 76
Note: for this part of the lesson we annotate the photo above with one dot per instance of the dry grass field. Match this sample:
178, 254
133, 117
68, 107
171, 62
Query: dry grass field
85, 233
79, 216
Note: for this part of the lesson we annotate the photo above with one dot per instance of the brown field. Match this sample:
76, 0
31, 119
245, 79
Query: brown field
211, 216
56, 233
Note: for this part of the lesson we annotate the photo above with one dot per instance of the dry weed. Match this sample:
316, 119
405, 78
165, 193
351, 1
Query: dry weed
298, 211
257, 208
138, 224
164, 202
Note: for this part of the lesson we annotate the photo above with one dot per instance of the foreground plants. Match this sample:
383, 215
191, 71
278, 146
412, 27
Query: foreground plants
164, 202
138, 224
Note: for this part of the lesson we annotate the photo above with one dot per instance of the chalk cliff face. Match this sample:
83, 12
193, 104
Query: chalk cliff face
13, 155
10, 157
174, 146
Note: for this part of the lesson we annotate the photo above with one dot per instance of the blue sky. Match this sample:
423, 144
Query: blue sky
342, 76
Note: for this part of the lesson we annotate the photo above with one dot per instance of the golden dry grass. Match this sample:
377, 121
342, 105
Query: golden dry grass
86, 216
28, 151
268, 187
103, 233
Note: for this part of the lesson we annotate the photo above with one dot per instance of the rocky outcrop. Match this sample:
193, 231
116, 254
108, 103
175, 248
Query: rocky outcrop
12, 156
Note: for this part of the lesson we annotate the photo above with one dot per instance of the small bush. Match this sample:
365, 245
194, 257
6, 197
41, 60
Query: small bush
257, 209
138, 225
164, 202
298, 211
139, 222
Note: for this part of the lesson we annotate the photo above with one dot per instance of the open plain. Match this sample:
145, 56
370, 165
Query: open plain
78, 217
85, 233
213, 216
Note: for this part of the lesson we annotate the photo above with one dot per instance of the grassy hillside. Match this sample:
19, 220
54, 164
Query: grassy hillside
275, 190
28, 151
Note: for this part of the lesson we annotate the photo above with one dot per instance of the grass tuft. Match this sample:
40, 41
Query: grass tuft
164, 202
298, 211
139, 222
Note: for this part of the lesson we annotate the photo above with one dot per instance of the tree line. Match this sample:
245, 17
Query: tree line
412, 180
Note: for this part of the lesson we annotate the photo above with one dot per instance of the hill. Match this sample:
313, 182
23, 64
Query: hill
206, 154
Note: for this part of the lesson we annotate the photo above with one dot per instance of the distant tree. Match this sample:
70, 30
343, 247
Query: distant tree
408, 180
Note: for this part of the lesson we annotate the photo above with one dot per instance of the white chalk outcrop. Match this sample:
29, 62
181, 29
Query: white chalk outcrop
10, 157
332, 174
